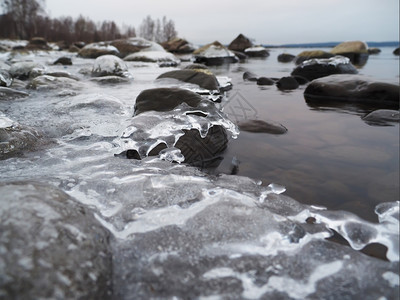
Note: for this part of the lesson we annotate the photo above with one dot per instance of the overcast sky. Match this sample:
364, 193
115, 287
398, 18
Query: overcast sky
266, 21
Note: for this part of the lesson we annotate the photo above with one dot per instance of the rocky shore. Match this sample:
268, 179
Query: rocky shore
105, 152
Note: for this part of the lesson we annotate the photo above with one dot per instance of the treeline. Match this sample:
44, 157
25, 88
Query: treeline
24, 19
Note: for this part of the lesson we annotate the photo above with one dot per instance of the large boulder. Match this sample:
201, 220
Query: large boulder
16, 138
258, 51
135, 44
356, 51
310, 54
51, 246
165, 99
178, 45
26, 69
353, 89
202, 77
95, 50
109, 65
240, 43
214, 54
316, 68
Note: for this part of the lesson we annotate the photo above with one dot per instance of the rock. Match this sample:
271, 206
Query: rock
51, 82
258, 51
214, 54
38, 43
16, 138
79, 45
265, 81
9, 93
382, 117
62, 74
259, 126
178, 45
286, 57
203, 152
353, 88
203, 78
249, 76
110, 65
306, 55
154, 56
240, 43
74, 49
287, 83
165, 99
25, 70
374, 50
316, 68
65, 61
95, 50
196, 67
110, 79
301, 80
240, 55
5, 78
356, 51
396, 51
135, 44
56, 249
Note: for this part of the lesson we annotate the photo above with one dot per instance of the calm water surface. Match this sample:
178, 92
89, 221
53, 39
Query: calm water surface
329, 156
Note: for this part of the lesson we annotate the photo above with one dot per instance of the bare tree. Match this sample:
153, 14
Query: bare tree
146, 29
156, 30
23, 15
169, 31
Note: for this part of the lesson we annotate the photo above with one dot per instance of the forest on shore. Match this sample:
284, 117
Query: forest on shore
25, 19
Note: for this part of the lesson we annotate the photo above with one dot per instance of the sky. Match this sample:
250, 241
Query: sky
265, 21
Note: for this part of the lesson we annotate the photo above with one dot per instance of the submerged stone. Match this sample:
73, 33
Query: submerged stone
9, 93
55, 247
382, 117
307, 55
109, 65
259, 126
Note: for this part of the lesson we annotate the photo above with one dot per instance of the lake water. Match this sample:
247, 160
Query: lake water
329, 156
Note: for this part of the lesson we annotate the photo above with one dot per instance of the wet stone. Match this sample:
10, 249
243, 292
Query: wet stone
202, 77
259, 126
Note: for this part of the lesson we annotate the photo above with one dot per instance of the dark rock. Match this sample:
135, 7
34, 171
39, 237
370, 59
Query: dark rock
259, 126
353, 88
240, 55
74, 49
56, 249
65, 61
178, 45
196, 67
249, 76
287, 83
382, 117
79, 45
285, 57
316, 68
165, 99
396, 51
168, 64
16, 138
240, 43
265, 81
95, 50
306, 55
258, 51
5, 78
214, 54
203, 152
301, 80
202, 77
135, 44
25, 70
37, 43
109, 65
9, 94
356, 51
374, 50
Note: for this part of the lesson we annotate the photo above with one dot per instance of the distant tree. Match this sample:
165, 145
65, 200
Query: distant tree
23, 16
146, 29
169, 31
156, 30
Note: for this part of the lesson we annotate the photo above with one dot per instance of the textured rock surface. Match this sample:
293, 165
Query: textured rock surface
202, 77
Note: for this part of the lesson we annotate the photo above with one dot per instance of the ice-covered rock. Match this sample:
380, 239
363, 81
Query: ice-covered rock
26, 69
135, 44
110, 65
95, 50
311, 54
316, 68
356, 51
214, 54
50, 246
37, 43
154, 56
257, 51
51, 82
5, 78
16, 138
178, 45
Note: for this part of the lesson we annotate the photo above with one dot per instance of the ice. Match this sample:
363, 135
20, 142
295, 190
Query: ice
6, 122
333, 61
217, 51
